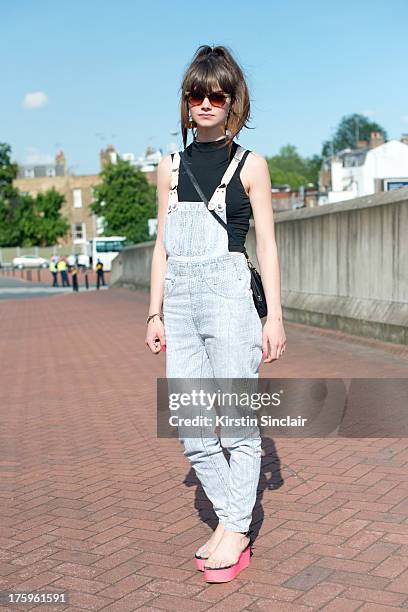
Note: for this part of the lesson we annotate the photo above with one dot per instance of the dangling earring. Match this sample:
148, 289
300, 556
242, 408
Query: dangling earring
227, 131
191, 124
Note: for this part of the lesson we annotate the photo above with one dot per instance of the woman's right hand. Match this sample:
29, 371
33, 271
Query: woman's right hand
155, 337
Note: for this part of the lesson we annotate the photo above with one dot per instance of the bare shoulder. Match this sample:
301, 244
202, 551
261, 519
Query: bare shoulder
256, 162
254, 169
164, 172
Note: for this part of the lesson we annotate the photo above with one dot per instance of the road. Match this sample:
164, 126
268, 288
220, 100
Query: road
15, 289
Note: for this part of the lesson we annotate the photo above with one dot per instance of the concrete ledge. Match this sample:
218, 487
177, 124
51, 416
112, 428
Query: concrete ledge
131, 268
371, 201
371, 318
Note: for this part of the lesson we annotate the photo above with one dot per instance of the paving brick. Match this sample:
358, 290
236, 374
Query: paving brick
278, 606
297, 563
359, 567
341, 604
400, 584
270, 591
369, 607
308, 578
320, 594
132, 601
374, 596
236, 601
171, 573
171, 587
354, 579
170, 602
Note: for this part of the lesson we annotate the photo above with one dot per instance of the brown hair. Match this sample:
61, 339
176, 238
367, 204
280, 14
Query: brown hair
212, 67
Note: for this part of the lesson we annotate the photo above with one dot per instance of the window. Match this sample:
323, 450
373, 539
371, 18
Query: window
77, 195
100, 226
78, 232
111, 246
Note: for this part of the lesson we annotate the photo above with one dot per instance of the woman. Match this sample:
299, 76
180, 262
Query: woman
209, 321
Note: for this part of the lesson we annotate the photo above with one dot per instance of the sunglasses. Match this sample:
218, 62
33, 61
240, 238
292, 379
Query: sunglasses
216, 98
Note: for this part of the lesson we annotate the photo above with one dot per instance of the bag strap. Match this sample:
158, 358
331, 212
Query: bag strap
227, 177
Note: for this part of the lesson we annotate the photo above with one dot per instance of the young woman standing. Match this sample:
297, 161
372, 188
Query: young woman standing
210, 326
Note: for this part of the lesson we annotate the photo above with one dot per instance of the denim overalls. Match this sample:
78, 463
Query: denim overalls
212, 330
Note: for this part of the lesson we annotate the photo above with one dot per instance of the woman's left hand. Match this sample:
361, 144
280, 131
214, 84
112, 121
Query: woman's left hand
273, 340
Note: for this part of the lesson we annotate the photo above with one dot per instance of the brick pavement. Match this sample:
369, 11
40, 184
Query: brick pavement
92, 503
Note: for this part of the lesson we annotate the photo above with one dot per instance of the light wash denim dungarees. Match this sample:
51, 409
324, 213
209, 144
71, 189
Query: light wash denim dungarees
212, 329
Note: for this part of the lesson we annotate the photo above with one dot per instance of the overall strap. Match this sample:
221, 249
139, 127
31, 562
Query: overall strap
173, 195
230, 171
217, 201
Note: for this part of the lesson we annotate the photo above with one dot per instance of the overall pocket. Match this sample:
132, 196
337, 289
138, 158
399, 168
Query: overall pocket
169, 285
232, 280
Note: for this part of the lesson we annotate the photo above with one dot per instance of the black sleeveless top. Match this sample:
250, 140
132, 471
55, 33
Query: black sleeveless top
209, 160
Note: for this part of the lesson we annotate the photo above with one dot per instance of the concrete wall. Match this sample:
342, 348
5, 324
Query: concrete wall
343, 266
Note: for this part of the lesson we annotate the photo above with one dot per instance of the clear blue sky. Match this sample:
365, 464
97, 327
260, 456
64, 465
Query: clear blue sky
111, 71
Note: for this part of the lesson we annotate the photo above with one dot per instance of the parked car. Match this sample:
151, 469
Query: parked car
30, 261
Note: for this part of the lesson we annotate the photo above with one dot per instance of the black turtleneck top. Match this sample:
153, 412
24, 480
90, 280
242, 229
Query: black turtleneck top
209, 160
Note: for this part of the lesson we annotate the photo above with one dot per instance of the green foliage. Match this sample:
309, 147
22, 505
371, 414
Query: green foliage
50, 224
351, 128
24, 220
126, 201
8, 195
289, 168
8, 170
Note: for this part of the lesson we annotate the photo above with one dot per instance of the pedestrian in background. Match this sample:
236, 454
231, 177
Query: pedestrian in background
99, 274
54, 272
62, 268
74, 273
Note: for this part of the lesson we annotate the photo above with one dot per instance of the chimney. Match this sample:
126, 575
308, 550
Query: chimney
61, 163
376, 139
361, 144
108, 155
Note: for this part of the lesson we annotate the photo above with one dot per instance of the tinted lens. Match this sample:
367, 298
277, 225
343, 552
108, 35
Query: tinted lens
217, 99
196, 99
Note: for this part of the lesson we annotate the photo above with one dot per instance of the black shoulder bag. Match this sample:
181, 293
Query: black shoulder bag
256, 281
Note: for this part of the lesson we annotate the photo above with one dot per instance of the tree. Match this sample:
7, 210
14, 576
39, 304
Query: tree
24, 220
351, 129
289, 168
126, 201
48, 223
9, 196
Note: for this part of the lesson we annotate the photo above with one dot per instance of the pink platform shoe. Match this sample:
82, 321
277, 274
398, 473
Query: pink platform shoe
229, 572
199, 561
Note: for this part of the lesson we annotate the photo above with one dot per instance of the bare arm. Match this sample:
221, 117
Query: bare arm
256, 178
155, 337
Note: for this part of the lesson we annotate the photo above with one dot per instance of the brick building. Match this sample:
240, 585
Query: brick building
78, 192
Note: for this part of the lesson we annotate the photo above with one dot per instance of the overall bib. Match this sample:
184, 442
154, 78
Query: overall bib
212, 329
